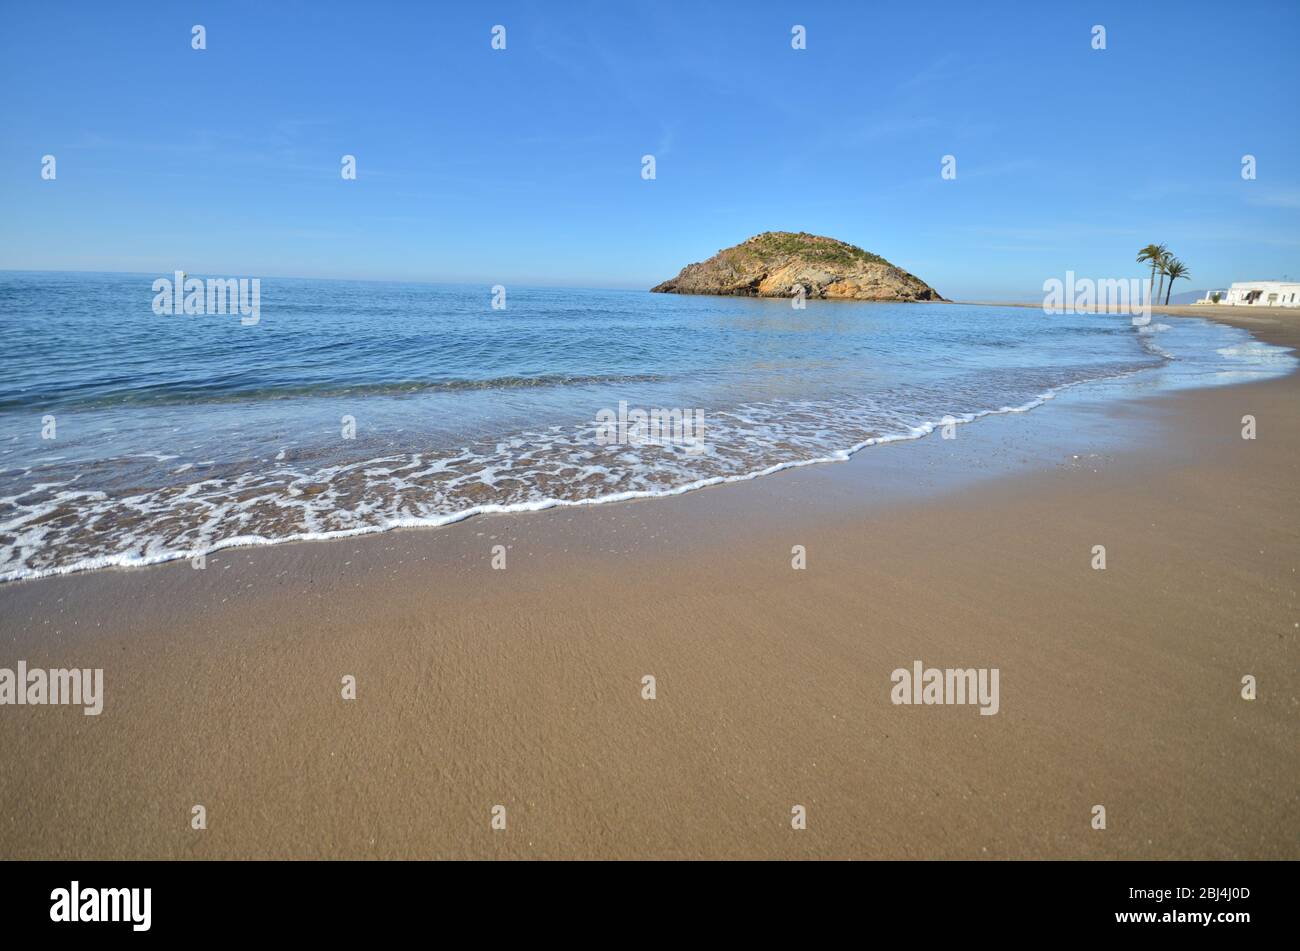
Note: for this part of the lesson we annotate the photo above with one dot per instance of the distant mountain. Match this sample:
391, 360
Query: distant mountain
775, 263
1191, 297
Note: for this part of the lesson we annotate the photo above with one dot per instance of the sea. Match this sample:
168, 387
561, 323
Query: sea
130, 436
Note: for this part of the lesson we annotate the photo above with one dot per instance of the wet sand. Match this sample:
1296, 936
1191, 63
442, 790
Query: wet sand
522, 686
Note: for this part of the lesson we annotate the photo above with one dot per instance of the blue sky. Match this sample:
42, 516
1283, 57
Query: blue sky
524, 165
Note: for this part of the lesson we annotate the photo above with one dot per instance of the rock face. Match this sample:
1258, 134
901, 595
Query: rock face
775, 263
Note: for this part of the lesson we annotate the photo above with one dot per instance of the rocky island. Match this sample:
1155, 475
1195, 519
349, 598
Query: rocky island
777, 263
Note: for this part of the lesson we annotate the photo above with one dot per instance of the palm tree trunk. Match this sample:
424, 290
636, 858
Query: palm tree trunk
1169, 292
1152, 288
1161, 289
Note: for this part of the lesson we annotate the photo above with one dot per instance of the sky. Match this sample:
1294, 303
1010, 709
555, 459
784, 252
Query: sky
524, 165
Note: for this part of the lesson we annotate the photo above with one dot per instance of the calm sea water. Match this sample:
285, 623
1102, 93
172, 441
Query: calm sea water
179, 434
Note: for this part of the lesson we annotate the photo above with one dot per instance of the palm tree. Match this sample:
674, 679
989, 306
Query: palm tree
1152, 253
1175, 269
1162, 268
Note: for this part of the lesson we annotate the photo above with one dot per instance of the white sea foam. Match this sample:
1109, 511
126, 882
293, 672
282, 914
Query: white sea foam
397, 491
1256, 351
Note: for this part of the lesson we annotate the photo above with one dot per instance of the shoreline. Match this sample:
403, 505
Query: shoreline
1234, 316
522, 687
118, 562
838, 456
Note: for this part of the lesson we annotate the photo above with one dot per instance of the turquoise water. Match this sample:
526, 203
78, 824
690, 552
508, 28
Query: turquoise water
179, 434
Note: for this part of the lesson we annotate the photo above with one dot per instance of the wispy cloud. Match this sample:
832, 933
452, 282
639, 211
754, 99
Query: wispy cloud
1275, 198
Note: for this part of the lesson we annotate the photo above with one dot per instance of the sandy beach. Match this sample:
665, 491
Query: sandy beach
522, 687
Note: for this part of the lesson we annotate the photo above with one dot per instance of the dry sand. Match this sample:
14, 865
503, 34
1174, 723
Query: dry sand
522, 687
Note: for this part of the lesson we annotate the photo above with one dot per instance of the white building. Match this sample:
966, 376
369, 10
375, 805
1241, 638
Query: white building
1264, 294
